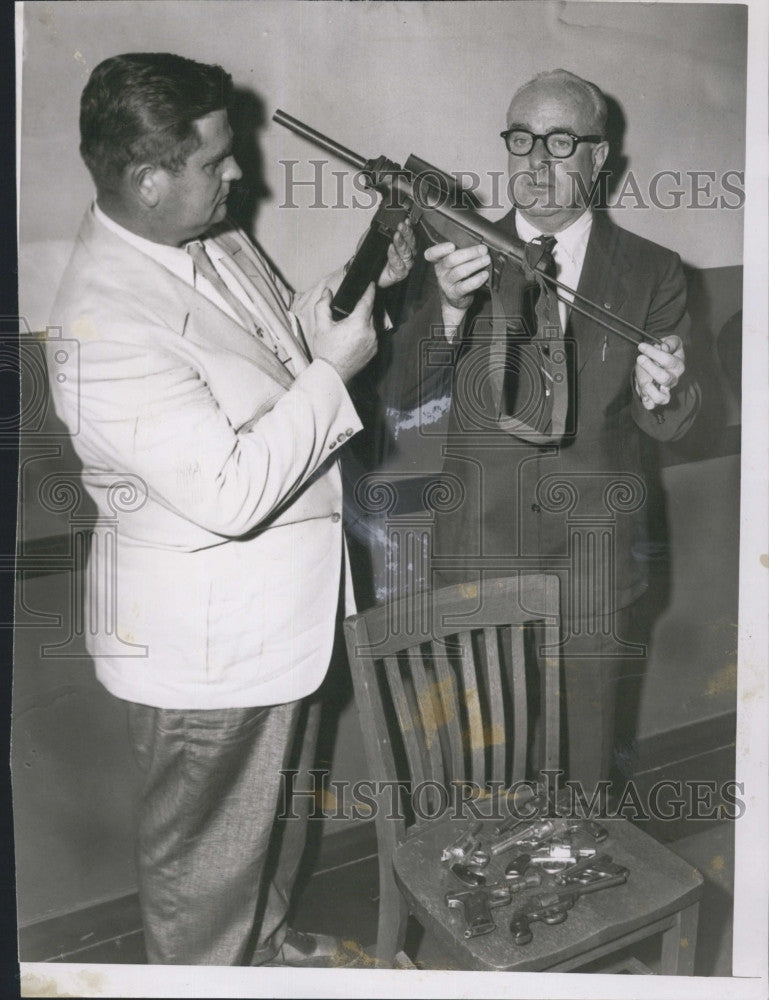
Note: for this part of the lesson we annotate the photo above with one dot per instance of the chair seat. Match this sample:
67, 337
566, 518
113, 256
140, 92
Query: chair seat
659, 885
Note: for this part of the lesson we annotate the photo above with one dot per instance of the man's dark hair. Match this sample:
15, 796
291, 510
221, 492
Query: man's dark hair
140, 108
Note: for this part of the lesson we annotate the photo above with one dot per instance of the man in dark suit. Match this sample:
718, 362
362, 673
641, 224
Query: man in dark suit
568, 501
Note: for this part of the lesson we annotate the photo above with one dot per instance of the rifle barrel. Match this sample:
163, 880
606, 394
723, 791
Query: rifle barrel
294, 125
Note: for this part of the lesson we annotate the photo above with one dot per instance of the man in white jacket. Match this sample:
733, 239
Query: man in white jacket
220, 399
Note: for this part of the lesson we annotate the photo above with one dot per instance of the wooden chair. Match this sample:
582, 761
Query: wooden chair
441, 681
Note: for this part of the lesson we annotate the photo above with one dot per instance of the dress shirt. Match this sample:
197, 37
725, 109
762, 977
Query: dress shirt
569, 254
178, 262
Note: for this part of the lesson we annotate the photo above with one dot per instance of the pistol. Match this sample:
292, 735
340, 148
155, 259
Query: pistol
477, 904
552, 907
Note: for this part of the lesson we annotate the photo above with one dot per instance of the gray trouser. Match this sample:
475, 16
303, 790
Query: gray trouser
206, 822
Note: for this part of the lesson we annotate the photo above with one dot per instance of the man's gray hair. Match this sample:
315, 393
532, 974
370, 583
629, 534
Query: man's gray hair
574, 84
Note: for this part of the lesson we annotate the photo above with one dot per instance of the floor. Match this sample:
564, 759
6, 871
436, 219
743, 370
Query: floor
342, 900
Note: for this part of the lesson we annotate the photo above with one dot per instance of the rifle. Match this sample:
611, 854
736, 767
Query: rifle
432, 200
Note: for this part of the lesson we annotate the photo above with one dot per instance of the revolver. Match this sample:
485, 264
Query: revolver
464, 845
530, 836
552, 907
589, 870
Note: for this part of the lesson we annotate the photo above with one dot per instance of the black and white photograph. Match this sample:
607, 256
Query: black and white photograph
391, 570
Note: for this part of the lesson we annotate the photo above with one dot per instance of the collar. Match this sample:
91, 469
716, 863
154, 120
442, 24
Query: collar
572, 240
174, 259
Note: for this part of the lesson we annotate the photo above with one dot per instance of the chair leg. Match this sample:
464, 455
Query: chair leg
680, 943
393, 915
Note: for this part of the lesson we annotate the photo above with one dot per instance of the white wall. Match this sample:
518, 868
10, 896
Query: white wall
394, 78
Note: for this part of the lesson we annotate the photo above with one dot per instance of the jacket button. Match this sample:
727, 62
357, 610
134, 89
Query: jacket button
348, 432
336, 517
340, 438
333, 444
536, 508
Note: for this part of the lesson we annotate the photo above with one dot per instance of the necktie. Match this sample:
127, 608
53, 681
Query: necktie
204, 266
546, 309
552, 346
528, 373
548, 245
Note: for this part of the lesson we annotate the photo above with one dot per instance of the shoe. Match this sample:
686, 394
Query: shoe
320, 951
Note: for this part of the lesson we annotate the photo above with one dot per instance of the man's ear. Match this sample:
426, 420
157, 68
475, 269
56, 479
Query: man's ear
146, 181
599, 152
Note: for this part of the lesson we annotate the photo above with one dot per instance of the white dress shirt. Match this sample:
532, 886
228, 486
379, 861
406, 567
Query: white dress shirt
178, 262
569, 254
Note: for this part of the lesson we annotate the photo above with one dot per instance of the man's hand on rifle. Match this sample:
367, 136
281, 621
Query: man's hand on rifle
658, 370
460, 274
351, 343
400, 256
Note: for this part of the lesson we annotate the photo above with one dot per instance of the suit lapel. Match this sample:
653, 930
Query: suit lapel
250, 266
174, 301
231, 336
254, 276
602, 282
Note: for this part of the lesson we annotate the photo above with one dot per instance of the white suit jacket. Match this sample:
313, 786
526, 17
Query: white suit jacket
228, 562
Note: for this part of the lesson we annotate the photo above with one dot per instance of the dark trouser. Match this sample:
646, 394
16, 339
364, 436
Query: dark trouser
206, 821
590, 683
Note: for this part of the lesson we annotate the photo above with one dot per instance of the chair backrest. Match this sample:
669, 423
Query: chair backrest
444, 682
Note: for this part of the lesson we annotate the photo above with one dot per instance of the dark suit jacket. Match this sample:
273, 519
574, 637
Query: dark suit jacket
577, 507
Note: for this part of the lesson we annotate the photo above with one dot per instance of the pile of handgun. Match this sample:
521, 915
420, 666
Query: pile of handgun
547, 856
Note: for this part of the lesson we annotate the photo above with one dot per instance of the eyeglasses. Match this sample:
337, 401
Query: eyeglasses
519, 142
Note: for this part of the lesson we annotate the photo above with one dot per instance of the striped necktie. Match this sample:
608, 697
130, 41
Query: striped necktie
547, 314
204, 265
554, 364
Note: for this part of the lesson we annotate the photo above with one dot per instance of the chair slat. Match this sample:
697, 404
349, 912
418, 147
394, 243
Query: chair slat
406, 719
514, 636
425, 695
449, 701
473, 708
550, 703
496, 734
